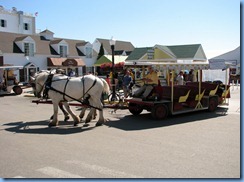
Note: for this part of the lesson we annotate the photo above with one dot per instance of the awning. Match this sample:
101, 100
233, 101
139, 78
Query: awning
11, 67
108, 59
65, 62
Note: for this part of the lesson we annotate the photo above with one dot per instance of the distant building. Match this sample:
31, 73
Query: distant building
14, 21
20, 45
121, 48
232, 58
186, 54
164, 58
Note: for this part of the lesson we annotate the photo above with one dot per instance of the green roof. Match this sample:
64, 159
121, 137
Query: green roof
137, 53
176, 52
184, 51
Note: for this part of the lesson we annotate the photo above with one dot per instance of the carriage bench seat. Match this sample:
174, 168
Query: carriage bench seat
210, 88
164, 92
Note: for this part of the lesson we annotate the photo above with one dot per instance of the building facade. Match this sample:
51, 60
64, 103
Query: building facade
20, 45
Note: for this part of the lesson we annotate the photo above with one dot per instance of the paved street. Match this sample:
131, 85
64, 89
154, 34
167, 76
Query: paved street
194, 145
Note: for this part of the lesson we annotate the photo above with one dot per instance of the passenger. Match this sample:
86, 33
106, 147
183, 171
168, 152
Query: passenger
170, 79
151, 79
180, 79
185, 75
132, 74
190, 76
127, 80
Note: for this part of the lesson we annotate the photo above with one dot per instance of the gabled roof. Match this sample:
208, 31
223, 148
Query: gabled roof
184, 51
7, 44
231, 55
193, 51
120, 45
47, 31
137, 53
232, 58
20, 38
57, 41
81, 44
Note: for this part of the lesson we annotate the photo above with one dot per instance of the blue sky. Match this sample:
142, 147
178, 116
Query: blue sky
213, 23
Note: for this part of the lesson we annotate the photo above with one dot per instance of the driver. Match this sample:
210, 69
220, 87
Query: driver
150, 80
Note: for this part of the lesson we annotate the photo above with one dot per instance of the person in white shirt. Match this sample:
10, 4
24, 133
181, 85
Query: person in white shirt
180, 79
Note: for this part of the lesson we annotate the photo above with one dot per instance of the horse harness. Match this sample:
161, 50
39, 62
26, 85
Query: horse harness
48, 86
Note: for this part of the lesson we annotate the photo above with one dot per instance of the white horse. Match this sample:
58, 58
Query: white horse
53, 71
62, 88
66, 114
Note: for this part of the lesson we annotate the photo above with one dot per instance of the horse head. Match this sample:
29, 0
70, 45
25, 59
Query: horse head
38, 82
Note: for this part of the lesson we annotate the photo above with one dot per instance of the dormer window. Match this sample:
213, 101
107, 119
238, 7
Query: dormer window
29, 49
63, 51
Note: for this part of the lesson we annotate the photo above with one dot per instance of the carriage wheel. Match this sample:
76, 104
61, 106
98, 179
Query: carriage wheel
17, 90
135, 109
159, 111
213, 104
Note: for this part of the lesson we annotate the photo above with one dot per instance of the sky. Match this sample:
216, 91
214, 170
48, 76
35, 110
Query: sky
215, 24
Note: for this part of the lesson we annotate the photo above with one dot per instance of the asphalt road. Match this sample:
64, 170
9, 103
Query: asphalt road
194, 145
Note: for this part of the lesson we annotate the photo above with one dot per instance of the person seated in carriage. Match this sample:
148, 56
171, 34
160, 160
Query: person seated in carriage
127, 80
150, 80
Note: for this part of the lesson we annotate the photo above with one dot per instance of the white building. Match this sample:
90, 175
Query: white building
21, 46
14, 21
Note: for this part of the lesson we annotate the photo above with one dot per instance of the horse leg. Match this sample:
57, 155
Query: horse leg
66, 114
89, 116
75, 118
101, 119
94, 114
97, 103
82, 113
54, 122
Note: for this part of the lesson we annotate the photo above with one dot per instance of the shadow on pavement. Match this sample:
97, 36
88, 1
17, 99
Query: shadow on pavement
41, 127
145, 121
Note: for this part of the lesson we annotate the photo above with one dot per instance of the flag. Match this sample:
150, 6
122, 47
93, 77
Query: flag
36, 13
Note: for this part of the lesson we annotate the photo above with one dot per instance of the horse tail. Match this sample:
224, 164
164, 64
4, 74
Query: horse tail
106, 88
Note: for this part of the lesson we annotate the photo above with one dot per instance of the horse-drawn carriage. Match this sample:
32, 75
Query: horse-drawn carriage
8, 81
171, 99
164, 100
178, 99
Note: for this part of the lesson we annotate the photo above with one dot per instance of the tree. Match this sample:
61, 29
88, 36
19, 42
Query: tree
101, 52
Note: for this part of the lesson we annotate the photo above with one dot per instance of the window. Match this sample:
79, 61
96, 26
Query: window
63, 51
150, 53
26, 26
29, 49
3, 23
88, 52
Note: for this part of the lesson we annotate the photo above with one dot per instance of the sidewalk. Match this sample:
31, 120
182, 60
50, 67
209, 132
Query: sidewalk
235, 99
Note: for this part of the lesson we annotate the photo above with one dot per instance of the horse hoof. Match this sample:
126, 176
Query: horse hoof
85, 125
66, 118
51, 125
99, 124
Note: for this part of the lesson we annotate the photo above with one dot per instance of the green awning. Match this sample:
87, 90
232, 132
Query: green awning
108, 59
